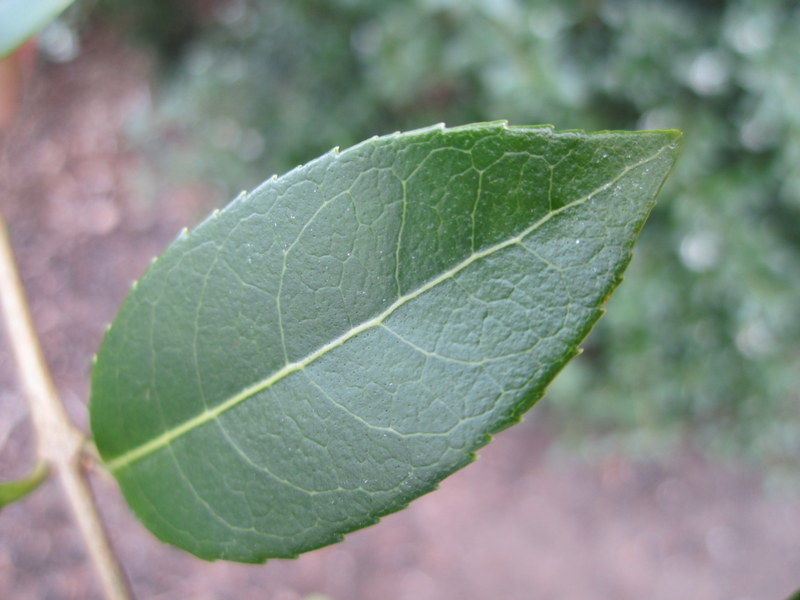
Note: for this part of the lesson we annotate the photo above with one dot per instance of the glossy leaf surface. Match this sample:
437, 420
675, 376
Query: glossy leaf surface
333, 344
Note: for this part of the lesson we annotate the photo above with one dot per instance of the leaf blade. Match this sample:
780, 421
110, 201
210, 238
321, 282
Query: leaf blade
381, 254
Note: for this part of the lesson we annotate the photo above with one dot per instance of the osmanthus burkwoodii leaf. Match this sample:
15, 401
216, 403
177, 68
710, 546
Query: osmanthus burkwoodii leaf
333, 344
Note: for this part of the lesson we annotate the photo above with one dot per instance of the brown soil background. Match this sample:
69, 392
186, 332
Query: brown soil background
522, 522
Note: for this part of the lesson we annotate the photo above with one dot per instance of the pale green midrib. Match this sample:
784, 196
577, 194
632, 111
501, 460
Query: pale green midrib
166, 437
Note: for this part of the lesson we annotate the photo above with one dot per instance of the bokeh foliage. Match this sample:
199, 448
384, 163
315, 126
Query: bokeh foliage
704, 338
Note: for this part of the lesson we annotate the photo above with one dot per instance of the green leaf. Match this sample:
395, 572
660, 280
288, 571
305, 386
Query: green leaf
21, 19
11, 491
333, 344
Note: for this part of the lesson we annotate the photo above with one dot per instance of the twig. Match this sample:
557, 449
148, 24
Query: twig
59, 442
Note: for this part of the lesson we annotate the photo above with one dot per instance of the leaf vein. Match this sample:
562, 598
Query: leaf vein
167, 437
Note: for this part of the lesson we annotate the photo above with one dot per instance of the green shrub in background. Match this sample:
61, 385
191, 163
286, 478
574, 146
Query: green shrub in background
708, 338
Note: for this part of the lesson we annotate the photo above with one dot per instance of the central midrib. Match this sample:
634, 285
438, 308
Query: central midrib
164, 439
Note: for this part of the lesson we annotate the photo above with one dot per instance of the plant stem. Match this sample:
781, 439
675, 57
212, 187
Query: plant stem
59, 443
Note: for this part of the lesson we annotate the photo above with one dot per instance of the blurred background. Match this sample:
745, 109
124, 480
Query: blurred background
664, 460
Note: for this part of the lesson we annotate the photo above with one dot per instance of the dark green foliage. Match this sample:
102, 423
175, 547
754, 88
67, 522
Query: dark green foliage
167, 26
708, 336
